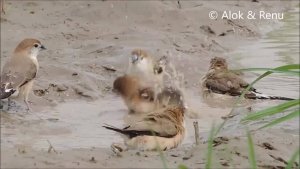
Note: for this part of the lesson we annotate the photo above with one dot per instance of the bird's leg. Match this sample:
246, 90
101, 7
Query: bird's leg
1, 104
24, 92
118, 148
27, 105
8, 103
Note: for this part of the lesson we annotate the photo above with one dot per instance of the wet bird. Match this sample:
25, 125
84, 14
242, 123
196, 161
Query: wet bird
139, 91
221, 80
135, 93
162, 122
143, 65
159, 130
20, 70
139, 85
141, 98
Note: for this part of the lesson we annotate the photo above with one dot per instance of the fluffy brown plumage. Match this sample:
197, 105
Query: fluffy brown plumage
163, 129
220, 79
138, 97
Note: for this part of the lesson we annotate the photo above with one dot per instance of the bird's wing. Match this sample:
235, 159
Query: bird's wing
160, 124
157, 124
245, 84
18, 73
125, 84
223, 81
216, 86
239, 82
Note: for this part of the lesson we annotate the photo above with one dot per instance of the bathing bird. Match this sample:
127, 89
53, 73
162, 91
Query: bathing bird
219, 79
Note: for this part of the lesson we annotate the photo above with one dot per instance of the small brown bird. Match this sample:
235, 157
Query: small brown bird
221, 80
141, 98
143, 65
159, 130
20, 70
136, 94
140, 63
142, 82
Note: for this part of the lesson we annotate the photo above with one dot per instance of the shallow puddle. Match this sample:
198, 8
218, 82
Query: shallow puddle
77, 124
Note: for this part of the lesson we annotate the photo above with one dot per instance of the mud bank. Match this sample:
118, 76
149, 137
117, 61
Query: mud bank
72, 95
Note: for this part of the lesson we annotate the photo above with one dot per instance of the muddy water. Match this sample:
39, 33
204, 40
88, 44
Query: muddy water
276, 48
77, 124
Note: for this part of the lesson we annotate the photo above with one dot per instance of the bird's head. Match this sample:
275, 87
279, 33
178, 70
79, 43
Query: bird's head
218, 63
141, 60
30, 46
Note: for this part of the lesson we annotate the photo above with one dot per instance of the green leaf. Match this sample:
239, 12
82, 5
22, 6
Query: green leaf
271, 110
252, 159
292, 160
289, 72
282, 119
281, 68
209, 149
181, 166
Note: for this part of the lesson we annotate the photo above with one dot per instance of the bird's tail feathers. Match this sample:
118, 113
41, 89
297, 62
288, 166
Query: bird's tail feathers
5, 92
257, 95
110, 127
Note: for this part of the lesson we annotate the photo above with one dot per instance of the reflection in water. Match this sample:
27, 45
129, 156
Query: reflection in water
287, 38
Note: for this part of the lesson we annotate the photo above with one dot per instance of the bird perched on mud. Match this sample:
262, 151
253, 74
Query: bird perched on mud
161, 129
223, 81
20, 70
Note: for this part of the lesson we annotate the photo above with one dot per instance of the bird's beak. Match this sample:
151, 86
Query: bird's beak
134, 58
43, 47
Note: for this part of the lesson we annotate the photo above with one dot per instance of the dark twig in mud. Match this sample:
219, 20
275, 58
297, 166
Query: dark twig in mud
51, 147
279, 159
109, 68
96, 51
196, 127
93, 160
2, 6
228, 116
179, 4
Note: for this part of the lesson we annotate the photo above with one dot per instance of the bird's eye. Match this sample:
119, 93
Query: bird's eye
36, 45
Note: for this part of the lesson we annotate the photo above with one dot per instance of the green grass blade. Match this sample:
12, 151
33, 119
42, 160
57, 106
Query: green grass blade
282, 119
281, 68
181, 166
209, 149
288, 72
292, 160
271, 110
252, 159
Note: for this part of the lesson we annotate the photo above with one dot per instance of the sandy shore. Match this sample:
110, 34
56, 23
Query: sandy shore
72, 94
